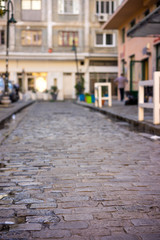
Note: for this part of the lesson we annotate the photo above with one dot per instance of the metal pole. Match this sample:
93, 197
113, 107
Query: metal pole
76, 59
6, 99
7, 50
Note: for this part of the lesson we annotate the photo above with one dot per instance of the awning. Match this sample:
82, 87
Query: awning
149, 26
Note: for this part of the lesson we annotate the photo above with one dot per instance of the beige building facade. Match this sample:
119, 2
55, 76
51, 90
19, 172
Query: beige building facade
40, 46
138, 56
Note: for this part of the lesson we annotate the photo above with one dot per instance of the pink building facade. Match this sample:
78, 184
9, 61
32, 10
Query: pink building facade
138, 57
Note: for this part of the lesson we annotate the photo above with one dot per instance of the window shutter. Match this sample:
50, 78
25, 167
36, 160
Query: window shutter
60, 6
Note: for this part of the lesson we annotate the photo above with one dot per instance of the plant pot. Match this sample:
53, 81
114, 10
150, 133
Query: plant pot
103, 102
88, 99
81, 97
93, 98
54, 96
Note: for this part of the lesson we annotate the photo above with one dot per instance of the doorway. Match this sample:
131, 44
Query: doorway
67, 86
135, 75
145, 69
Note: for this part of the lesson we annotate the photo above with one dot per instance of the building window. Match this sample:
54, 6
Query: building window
99, 39
105, 7
132, 23
109, 39
31, 38
2, 37
105, 40
31, 4
123, 66
146, 12
103, 63
68, 6
66, 38
123, 32
158, 3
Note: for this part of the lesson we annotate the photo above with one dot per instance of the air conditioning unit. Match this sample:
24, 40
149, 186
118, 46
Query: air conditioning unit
102, 17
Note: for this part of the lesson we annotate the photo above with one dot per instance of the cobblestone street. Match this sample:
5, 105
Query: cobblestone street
73, 174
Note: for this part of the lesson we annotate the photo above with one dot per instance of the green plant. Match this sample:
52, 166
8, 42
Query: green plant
87, 94
80, 86
33, 90
54, 90
46, 91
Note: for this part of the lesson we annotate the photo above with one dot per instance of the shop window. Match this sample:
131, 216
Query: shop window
105, 40
66, 38
68, 6
2, 37
31, 38
31, 84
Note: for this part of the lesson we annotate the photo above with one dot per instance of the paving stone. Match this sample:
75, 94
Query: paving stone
42, 219
18, 235
50, 205
151, 236
70, 225
29, 201
35, 212
28, 227
73, 199
51, 234
120, 237
142, 229
145, 222
7, 220
78, 217
8, 213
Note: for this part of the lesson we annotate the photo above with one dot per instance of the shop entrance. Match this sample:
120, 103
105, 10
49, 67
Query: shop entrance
32, 81
135, 76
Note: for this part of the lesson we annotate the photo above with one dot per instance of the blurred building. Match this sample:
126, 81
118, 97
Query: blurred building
138, 24
41, 53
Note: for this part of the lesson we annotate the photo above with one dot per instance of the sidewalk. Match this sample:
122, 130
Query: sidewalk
128, 114
7, 112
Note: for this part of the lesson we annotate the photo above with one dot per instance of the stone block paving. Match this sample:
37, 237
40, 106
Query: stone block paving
70, 173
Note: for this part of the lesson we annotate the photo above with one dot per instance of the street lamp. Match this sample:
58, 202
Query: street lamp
6, 99
74, 48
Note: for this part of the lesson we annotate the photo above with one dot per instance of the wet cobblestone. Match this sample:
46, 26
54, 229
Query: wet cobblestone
70, 173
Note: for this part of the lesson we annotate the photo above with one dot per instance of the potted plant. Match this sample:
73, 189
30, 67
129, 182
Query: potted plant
54, 92
88, 98
80, 89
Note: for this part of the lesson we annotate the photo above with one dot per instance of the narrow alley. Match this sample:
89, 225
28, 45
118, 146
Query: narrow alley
73, 174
